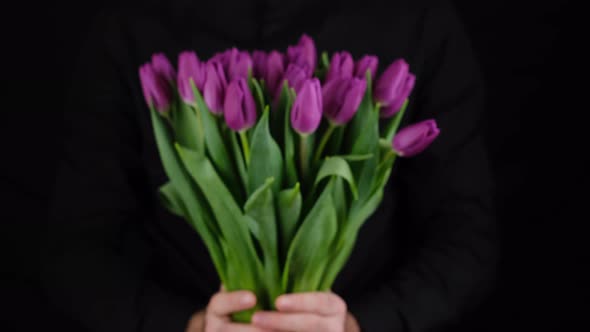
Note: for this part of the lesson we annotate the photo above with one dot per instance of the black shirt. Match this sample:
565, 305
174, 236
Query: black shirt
116, 260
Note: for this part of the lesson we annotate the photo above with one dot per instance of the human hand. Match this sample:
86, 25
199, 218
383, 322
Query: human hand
308, 312
216, 317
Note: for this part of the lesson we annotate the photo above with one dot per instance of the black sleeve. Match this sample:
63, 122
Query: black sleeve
95, 256
447, 195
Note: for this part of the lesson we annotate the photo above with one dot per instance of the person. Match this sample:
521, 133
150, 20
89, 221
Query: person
116, 260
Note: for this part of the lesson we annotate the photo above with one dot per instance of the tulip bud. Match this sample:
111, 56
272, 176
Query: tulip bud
189, 67
239, 107
163, 67
415, 138
214, 87
295, 77
393, 87
156, 90
367, 62
240, 63
303, 54
275, 69
306, 113
341, 65
342, 98
259, 63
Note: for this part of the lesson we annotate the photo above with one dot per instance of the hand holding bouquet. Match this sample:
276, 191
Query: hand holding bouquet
277, 160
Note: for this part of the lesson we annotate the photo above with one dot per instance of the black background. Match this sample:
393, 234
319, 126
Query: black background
531, 60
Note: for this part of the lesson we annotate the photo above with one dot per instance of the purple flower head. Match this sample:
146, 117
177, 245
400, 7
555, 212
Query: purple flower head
303, 54
239, 106
394, 87
156, 90
415, 138
223, 58
214, 87
306, 113
341, 66
275, 69
189, 67
342, 98
396, 105
163, 67
295, 77
240, 63
259, 63
367, 62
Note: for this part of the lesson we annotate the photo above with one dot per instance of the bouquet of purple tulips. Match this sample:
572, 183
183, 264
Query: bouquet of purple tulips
277, 159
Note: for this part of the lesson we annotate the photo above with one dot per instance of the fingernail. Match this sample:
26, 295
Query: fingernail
283, 302
247, 299
258, 318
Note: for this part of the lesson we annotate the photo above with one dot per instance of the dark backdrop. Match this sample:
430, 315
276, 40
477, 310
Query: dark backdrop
535, 134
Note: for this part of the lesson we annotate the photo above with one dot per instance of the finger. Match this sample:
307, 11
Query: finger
303, 322
321, 303
237, 327
223, 304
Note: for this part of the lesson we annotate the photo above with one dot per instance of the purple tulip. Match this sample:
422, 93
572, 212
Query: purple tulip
239, 107
415, 138
295, 77
214, 87
156, 90
163, 67
303, 54
394, 87
367, 62
240, 63
275, 68
259, 63
306, 113
341, 66
342, 97
222, 57
189, 67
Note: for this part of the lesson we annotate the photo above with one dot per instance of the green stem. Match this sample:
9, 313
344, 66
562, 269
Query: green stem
303, 155
245, 146
390, 156
395, 122
323, 142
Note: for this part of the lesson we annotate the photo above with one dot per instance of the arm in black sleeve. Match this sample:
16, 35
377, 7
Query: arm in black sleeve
95, 256
446, 194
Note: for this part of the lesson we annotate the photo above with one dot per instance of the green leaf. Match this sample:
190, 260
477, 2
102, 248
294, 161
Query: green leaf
347, 239
215, 144
340, 201
310, 247
171, 199
355, 157
197, 214
335, 146
257, 93
243, 316
282, 130
228, 214
261, 209
339, 167
266, 160
364, 126
188, 126
363, 137
289, 209
239, 159
325, 59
